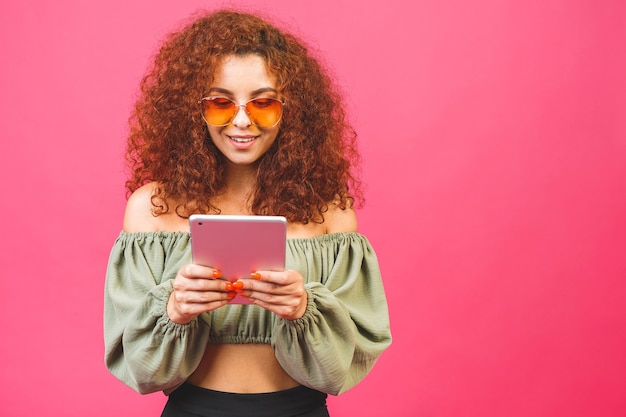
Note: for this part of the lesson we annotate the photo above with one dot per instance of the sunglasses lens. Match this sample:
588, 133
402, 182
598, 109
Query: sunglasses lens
264, 112
218, 111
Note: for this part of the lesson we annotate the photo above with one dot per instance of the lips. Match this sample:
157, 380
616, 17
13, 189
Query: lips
242, 139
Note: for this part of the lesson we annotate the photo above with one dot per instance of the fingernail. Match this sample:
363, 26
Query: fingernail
217, 273
229, 286
238, 285
231, 295
255, 275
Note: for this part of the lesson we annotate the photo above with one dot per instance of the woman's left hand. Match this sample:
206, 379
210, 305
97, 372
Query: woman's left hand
281, 292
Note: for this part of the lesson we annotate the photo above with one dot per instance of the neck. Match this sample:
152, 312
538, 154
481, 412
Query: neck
240, 184
241, 178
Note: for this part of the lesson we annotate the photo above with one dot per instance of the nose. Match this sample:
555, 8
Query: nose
241, 119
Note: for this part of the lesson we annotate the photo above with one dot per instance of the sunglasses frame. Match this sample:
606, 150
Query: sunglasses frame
241, 106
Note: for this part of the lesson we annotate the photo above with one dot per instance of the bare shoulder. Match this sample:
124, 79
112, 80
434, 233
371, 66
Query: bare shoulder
139, 216
340, 220
336, 220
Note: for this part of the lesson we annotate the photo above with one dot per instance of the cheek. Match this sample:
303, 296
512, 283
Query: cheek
214, 133
272, 133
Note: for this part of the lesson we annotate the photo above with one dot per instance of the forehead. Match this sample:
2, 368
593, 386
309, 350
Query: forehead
243, 72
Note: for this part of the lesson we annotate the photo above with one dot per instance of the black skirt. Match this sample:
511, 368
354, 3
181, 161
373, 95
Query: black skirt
193, 401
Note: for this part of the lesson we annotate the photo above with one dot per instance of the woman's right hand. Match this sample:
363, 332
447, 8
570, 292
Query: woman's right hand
197, 289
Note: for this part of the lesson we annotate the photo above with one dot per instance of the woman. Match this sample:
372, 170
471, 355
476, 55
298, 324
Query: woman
236, 117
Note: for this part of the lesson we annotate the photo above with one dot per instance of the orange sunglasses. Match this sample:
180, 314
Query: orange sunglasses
263, 112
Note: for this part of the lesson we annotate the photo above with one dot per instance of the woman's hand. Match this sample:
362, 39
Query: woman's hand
197, 289
282, 292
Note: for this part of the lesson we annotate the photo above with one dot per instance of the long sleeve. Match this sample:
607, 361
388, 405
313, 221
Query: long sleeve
143, 347
331, 348
346, 324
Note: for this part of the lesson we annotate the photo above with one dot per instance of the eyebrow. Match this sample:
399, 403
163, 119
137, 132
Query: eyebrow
254, 93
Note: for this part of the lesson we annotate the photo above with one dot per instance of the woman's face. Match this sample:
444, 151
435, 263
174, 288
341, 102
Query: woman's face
242, 78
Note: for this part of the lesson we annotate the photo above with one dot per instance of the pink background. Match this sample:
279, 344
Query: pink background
494, 140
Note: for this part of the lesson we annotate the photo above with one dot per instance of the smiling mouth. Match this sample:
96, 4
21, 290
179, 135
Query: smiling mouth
242, 140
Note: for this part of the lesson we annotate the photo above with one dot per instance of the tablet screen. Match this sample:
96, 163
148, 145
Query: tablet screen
238, 245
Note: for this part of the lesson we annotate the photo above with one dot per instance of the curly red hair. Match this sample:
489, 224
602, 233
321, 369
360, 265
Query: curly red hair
309, 166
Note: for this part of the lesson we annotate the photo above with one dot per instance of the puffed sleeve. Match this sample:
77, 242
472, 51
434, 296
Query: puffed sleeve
143, 347
345, 328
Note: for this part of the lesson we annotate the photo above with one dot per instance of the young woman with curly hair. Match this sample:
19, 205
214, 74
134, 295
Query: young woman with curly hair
237, 117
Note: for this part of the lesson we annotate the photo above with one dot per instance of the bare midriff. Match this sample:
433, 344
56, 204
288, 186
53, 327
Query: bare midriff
241, 368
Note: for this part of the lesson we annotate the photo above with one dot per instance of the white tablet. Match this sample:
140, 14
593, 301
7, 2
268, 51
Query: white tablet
238, 245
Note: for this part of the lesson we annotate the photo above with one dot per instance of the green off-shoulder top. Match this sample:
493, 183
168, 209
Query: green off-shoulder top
330, 348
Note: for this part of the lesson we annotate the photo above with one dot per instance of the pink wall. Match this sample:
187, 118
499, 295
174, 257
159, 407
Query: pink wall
494, 139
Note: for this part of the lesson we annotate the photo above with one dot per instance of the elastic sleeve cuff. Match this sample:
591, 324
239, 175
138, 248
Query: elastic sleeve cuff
162, 295
301, 324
